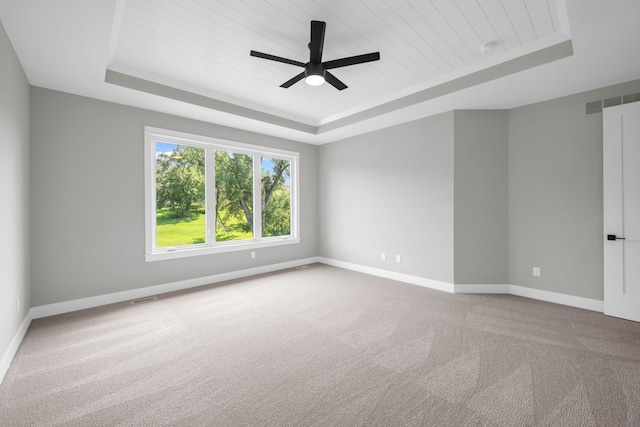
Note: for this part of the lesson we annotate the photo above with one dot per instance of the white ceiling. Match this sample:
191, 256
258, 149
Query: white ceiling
206, 45
191, 57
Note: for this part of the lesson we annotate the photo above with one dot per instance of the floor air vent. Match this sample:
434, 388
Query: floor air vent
143, 300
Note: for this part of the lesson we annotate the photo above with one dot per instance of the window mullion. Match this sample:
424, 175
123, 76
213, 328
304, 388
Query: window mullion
210, 193
257, 197
294, 197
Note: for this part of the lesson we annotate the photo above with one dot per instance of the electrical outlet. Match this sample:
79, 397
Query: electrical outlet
536, 271
383, 256
17, 305
397, 258
253, 255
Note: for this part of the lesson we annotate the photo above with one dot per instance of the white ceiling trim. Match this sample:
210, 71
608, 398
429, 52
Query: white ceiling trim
553, 48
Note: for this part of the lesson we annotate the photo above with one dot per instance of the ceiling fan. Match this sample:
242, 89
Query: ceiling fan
315, 71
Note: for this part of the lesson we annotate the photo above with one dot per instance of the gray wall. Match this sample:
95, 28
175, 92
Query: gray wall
87, 198
449, 193
480, 197
391, 191
433, 190
14, 186
555, 194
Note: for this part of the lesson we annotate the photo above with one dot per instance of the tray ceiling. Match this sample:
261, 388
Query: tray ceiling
203, 47
191, 57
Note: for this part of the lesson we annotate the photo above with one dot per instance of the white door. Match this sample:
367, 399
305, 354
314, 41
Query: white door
621, 164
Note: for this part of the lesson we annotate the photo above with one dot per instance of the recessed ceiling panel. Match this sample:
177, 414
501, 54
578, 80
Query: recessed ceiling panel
203, 46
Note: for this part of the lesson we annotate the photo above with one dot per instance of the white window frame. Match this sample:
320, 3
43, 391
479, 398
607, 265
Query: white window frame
153, 135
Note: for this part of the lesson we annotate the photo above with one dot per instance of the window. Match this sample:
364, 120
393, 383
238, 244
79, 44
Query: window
205, 195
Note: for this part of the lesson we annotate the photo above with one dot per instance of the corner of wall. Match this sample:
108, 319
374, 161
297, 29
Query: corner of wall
480, 196
15, 297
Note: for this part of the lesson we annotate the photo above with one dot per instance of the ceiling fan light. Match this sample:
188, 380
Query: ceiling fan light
314, 74
314, 79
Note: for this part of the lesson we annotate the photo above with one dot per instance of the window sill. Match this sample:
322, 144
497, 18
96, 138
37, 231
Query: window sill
185, 252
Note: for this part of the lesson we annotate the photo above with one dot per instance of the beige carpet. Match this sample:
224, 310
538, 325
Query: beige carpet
323, 346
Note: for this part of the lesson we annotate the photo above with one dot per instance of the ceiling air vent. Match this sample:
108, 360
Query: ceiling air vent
593, 107
611, 102
632, 97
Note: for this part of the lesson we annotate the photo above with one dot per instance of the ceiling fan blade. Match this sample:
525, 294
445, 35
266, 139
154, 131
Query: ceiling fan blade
276, 58
296, 79
317, 41
352, 60
333, 81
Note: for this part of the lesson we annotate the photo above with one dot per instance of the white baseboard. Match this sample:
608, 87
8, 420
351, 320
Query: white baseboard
90, 302
481, 289
14, 345
557, 298
554, 297
401, 277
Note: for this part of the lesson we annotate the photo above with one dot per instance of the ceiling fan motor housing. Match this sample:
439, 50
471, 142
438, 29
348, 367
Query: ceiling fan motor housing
314, 69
